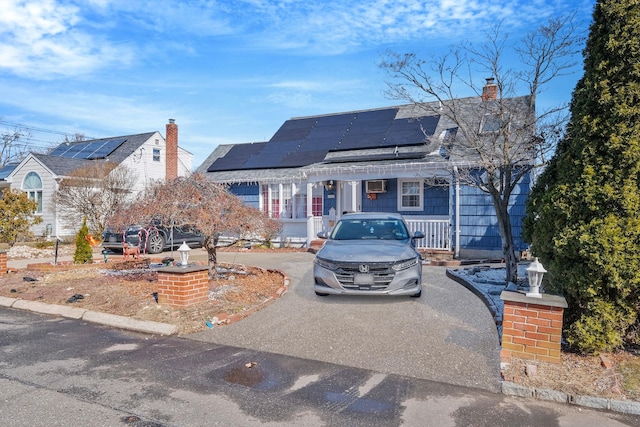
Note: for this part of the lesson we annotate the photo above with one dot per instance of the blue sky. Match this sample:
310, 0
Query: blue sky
228, 71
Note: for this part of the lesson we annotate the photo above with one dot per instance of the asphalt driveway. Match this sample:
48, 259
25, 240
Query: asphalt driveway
447, 335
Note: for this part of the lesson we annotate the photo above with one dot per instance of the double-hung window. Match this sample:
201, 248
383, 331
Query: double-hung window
410, 195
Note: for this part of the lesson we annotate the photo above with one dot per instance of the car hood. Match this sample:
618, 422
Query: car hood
366, 251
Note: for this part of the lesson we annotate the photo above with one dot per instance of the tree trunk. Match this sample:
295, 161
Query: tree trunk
211, 243
506, 235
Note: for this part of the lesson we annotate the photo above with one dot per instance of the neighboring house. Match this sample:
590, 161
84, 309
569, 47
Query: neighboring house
4, 173
396, 159
148, 155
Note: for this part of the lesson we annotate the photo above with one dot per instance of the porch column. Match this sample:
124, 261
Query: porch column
339, 196
456, 255
354, 196
310, 226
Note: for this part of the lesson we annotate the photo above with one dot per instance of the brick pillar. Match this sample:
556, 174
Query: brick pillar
531, 327
183, 286
171, 159
3, 263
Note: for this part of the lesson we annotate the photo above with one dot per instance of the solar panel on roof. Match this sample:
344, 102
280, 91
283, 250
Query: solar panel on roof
294, 160
236, 157
300, 142
294, 129
335, 120
265, 161
59, 150
97, 149
73, 150
83, 150
281, 146
323, 143
105, 149
411, 131
377, 115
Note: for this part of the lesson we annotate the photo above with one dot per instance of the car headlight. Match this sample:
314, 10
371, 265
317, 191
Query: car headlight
326, 264
403, 265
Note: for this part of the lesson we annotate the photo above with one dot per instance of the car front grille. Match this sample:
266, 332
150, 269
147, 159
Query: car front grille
381, 272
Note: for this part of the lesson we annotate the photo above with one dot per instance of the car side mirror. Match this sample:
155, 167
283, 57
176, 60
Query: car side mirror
418, 235
323, 235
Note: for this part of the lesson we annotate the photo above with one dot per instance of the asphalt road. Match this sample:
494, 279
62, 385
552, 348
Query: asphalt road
447, 335
303, 360
62, 372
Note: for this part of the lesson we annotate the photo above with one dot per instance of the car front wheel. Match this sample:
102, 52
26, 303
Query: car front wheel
155, 243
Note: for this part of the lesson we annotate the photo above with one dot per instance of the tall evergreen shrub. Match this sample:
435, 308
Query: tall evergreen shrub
584, 212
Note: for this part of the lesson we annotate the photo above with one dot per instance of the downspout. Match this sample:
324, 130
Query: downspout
456, 254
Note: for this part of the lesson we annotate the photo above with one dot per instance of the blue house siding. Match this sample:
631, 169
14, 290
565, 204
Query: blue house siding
436, 201
478, 221
248, 193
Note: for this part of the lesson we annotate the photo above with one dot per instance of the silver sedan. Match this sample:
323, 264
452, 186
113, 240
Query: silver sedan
369, 254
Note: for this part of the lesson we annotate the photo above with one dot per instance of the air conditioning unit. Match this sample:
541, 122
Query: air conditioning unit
376, 186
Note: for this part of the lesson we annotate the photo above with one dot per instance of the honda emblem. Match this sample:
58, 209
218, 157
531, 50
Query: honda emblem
363, 268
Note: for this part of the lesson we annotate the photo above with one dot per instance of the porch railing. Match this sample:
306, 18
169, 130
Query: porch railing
436, 232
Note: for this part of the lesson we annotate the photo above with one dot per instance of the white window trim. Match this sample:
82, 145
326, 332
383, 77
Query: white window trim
35, 194
420, 194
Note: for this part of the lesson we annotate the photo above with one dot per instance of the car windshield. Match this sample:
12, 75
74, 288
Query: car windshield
362, 229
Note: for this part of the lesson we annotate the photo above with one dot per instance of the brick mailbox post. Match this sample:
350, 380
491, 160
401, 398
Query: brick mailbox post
531, 327
3, 263
183, 286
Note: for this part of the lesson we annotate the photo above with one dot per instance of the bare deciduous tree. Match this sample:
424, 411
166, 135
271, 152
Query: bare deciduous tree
93, 192
197, 202
498, 142
13, 147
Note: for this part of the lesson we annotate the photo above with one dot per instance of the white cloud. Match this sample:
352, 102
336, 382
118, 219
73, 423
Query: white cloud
40, 39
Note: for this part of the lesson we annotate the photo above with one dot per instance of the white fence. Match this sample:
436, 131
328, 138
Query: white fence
436, 231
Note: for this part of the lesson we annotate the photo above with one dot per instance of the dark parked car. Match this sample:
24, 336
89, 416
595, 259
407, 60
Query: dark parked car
153, 239
369, 254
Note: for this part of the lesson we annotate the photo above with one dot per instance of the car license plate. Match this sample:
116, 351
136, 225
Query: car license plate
362, 279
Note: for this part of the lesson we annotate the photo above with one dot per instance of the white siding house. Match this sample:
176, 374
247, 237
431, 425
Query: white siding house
145, 154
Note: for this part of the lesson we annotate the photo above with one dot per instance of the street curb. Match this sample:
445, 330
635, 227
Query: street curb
622, 406
58, 310
128, 323
76, 313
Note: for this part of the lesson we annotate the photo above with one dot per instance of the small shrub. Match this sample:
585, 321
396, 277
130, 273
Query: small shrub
83, 253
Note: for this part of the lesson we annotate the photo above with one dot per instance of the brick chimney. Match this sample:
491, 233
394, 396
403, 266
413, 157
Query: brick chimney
490, 90
172, 150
